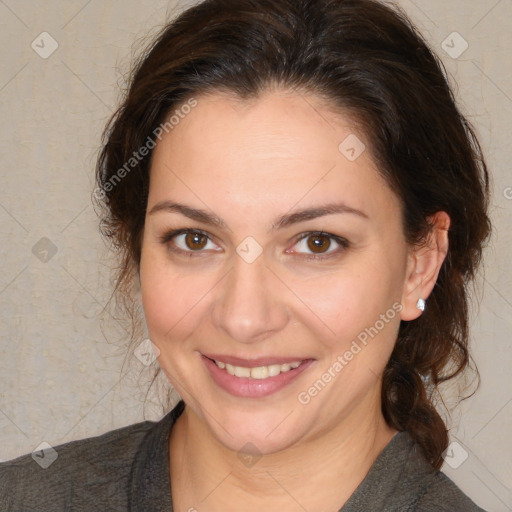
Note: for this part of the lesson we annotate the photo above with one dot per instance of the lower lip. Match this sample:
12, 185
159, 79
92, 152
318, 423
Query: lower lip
253, 388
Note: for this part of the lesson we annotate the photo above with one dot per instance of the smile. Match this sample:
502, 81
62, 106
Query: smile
259, 372
256, 378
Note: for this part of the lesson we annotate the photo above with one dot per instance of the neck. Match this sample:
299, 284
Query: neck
205, 475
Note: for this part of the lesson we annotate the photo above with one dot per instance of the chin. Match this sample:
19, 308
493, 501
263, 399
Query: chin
265, 430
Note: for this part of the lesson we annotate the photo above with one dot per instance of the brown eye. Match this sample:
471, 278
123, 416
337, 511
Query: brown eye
187, 242
195, 241
316, 246
319, 243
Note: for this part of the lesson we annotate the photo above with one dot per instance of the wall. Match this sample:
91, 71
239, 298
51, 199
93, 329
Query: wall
60, 364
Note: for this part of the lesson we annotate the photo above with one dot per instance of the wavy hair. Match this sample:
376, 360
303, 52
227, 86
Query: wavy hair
367, 59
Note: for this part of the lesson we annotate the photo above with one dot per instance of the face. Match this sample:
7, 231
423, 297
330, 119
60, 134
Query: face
302, 307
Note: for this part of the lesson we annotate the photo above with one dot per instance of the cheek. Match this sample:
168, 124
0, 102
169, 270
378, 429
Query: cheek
349, 301
360, 309
169, 319
173, 301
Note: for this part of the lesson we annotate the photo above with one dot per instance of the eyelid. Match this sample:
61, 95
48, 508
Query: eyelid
342, 242
167, 237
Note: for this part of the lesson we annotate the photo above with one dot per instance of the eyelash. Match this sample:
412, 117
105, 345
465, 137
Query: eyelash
166, 239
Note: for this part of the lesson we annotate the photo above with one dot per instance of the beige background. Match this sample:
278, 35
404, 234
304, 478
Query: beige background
60, 364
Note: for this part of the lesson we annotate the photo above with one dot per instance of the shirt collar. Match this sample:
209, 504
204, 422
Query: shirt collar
150, 488
399, 475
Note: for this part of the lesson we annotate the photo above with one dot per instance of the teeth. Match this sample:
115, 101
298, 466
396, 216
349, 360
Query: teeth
274, 369
242, 372
260, 372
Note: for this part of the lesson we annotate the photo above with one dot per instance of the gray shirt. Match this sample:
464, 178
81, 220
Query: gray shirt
128, 469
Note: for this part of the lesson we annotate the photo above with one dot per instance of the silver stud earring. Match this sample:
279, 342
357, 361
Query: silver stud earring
421, 304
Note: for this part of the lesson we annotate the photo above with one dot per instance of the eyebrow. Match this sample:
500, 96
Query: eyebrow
284, 221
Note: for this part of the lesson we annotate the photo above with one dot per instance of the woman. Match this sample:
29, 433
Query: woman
293, 185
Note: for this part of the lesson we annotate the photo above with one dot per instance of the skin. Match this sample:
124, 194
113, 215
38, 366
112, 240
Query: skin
250, 162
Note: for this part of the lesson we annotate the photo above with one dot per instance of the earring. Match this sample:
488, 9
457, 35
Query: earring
421, 304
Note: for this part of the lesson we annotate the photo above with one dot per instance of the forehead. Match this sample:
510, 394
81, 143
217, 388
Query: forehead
277, 124
269, 152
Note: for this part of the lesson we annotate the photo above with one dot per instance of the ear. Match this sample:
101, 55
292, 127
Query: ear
423, 265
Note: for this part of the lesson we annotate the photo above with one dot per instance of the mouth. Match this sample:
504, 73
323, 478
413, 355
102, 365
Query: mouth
257, 372
254, 378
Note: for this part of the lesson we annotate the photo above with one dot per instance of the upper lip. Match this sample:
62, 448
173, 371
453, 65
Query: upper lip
253, 363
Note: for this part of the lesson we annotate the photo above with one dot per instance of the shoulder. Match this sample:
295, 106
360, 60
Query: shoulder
402, 479
428, 489
441, 494
46, 480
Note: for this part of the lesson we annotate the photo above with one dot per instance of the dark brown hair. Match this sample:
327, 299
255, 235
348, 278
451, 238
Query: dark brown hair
366, 59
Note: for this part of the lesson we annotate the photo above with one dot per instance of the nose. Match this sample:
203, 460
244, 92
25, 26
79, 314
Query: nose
250, 306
